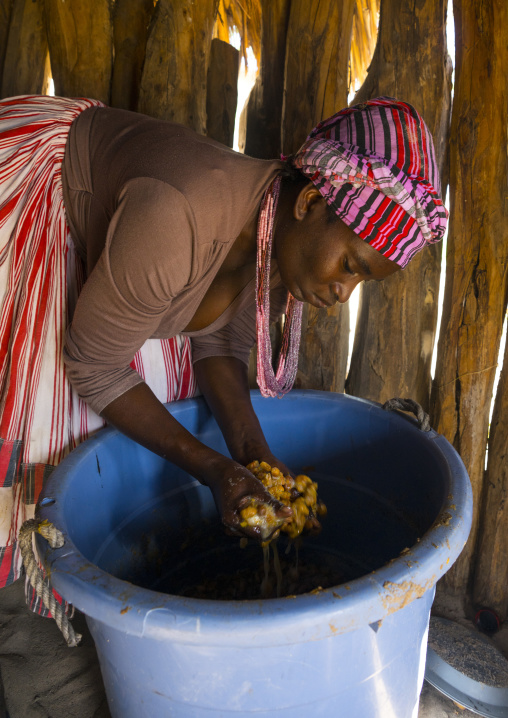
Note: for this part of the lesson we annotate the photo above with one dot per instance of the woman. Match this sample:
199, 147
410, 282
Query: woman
180, 237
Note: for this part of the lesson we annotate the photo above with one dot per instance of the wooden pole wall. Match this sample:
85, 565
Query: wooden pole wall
222, 92
173, 83
317, 55
491, 579
477, 257
397, 318
26, 51
131, 22
5, 19
162, 53
264, 108
80, 38
316, 82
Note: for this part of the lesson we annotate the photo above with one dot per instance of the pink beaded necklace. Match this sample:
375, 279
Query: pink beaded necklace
269, 383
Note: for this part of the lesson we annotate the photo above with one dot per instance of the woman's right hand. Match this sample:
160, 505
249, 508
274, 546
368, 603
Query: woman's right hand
233, 487
140, 415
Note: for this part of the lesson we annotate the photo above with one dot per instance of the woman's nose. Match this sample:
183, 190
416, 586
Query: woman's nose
345, 289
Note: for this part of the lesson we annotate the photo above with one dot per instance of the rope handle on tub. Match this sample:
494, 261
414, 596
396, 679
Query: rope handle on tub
412, 406
41, 585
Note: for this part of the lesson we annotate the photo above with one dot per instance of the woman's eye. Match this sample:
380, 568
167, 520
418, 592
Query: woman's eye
347, 266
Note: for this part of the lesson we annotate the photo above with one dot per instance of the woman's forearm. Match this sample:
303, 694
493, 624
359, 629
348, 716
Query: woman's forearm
224, 384
141, 416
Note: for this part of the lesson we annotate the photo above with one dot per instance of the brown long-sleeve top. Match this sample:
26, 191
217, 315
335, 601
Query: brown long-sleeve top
153, 210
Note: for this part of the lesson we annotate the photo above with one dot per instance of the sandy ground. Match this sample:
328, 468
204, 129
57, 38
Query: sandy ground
41, 678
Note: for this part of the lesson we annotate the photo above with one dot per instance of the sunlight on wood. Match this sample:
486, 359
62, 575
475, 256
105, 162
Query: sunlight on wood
363, 42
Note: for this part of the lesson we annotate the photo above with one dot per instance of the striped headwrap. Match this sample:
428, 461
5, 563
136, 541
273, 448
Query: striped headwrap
375, 165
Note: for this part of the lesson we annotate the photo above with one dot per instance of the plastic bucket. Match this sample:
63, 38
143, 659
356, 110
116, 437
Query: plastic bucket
399, 512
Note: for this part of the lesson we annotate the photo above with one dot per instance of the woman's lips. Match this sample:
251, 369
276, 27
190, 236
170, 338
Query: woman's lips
321, 302
313, 299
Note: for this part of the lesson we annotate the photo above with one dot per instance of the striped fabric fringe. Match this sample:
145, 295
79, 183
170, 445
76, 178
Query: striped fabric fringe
41, 417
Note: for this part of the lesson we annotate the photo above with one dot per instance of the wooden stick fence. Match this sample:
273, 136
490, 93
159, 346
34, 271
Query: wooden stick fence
156, 57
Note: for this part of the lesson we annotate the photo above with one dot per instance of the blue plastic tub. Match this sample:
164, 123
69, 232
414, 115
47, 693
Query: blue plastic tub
399, 512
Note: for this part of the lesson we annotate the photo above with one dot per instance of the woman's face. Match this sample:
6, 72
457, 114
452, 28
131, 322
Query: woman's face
322, 261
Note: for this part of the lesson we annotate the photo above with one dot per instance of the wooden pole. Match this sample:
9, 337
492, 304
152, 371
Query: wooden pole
81, 47
317, 54
5, 20
173, 83
324, 350
27, 49
477, 257
491, 576
131, 21
264, 108
396, 327
222, 92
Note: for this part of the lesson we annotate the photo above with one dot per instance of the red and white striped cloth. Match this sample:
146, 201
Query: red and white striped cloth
41, 417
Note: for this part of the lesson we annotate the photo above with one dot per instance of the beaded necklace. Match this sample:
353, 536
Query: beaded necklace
269, 383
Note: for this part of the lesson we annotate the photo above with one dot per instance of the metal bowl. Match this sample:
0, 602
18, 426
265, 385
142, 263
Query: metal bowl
467, 667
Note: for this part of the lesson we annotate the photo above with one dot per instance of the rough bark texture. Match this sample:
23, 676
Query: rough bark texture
396, 328
5, 19
476, 278
491, 579
173, 84
264, 108
317, 54
324, 350
222, 92
395, 333
27, 48
81, 47
130, 32
318, 44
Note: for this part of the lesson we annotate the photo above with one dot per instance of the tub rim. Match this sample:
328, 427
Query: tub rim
365, 601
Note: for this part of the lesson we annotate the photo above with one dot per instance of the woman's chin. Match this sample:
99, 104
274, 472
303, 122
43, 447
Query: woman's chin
315, 301
304, 297
296, 292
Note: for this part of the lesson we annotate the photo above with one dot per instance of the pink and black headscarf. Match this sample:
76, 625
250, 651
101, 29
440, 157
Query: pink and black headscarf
375, 165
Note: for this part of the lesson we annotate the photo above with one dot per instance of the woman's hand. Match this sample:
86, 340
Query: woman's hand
233, 487
142, 417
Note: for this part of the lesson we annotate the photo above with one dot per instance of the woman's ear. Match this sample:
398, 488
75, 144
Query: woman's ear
305, 200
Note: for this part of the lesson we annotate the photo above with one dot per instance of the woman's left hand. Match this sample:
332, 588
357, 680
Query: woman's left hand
233, 487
